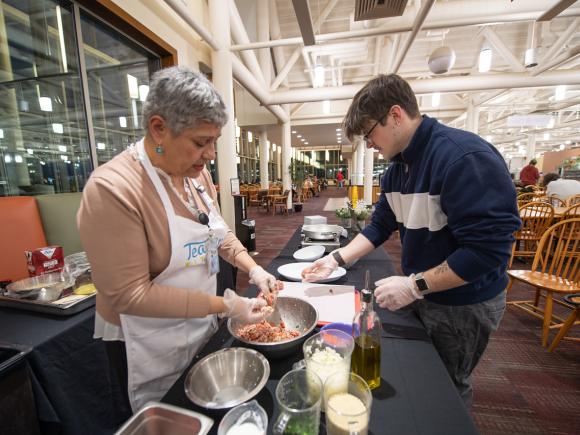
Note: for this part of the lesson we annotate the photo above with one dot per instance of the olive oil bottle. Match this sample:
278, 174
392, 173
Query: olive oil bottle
366, 357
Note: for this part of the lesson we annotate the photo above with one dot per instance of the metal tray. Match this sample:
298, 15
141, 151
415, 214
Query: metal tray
61, 307
160, 419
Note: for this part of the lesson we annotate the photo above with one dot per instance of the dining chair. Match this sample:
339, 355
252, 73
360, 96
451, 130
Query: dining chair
572, 211
524, 198
573, 200
536, 218
573, 319
555, 270
281, 201
556, 201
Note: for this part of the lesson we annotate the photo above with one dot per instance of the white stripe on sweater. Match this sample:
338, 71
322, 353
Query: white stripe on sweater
417, 210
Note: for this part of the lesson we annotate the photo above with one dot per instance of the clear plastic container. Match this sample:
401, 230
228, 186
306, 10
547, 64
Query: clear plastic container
245, 419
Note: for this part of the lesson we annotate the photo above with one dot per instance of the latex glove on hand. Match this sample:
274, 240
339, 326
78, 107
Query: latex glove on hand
247, 310
396, 292
320, 269
266, 282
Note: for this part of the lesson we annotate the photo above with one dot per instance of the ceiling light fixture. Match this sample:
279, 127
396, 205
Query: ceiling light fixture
441, 60
560, 93
326, 106
133, 85
435, 99
318, 76
45, 104
485, 60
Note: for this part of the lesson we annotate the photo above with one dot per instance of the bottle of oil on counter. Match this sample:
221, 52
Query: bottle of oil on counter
366, 357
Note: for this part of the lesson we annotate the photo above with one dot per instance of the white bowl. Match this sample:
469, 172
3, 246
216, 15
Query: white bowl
310, 253
293, 272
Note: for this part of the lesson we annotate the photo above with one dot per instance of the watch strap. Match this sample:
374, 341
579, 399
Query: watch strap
338, 258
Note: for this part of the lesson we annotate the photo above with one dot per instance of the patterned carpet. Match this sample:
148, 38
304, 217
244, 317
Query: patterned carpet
520, 388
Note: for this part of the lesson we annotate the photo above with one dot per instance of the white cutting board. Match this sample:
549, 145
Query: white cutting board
334, 303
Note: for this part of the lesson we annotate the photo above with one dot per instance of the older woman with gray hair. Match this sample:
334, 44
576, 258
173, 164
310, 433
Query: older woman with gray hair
152, 230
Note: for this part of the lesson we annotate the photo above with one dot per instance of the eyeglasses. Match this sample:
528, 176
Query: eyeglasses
367, 136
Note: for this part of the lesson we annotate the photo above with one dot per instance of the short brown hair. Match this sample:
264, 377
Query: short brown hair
549, 177
375, 100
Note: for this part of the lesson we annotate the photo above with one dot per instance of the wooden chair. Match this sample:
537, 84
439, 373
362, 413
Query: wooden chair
572, 212
536, 218
555, 201
281, 201
556, 269
573, 200
573, 319
524, 198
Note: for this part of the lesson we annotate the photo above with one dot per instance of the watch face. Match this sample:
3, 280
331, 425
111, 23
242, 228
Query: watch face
422, 284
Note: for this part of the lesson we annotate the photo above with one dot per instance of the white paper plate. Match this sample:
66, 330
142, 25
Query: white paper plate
293, 272
310, 253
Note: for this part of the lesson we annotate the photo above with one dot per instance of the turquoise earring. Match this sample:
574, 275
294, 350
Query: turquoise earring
159, 149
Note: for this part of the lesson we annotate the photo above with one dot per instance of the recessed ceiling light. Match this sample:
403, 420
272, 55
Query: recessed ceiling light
294, 131
338, 129
299, 136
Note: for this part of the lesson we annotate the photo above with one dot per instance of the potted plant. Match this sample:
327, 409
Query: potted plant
361, 213
343, 214
297, 176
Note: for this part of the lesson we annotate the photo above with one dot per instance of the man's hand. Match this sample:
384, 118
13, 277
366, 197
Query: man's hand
265, 281
320, 269
244, 309
396, 292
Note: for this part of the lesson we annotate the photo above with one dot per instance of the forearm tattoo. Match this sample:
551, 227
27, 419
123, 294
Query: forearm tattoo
441, 269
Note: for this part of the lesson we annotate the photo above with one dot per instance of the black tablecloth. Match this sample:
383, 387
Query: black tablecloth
69, 369
416, 395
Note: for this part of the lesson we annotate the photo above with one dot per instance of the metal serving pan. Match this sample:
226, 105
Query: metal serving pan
161, 419
321, 231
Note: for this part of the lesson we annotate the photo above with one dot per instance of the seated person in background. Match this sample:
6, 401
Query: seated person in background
530, 174
560, 187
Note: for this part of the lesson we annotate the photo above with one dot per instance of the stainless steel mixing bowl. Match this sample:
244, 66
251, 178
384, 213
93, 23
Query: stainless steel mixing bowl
46, 288
226, 378
297, 314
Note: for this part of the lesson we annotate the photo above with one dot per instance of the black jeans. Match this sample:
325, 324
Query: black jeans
117, 355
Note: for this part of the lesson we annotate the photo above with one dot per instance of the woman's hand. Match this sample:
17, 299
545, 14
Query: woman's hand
266, 282
243, 309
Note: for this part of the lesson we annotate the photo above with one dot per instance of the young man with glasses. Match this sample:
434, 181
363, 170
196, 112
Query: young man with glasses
450, 195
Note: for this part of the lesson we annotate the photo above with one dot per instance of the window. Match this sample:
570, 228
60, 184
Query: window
49, 132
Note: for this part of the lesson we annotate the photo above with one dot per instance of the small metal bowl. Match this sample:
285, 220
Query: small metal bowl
297, 314
227, 378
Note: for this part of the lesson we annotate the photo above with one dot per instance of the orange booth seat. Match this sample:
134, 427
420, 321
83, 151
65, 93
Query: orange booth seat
20, 230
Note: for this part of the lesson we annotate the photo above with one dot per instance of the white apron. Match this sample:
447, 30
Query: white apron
159, 349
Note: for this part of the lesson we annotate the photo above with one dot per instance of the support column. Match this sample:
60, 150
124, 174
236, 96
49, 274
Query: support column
369, 162
222, 79
286, 153
531, 148
264, 157
360, 157
279, 162
353, 165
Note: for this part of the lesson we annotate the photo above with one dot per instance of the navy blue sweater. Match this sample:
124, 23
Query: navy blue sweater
450, 195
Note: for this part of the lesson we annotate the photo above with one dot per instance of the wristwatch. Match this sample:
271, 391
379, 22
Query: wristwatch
421, 283
338, 258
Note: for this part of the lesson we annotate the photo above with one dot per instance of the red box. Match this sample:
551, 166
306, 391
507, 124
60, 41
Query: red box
45, 260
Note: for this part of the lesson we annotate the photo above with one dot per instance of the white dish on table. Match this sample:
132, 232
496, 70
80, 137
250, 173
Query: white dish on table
293, 272
309, 253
